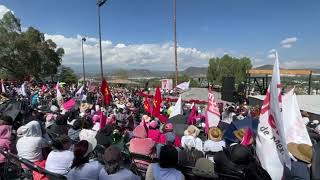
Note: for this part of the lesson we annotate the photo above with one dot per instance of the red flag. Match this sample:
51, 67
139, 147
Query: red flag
247, 137
107, 97
192, 115
103, 120
69, 104
163, 118
156, 103
146, 105
43, 89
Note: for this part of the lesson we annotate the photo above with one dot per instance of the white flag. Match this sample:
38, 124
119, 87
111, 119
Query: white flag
184, 86
294, 127
271, 146
23, 89
79, 92
3, 90
59, 95
177, 108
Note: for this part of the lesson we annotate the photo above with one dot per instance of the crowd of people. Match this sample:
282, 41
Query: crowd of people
73, 141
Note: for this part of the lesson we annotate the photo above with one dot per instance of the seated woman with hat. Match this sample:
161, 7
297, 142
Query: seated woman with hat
215, 143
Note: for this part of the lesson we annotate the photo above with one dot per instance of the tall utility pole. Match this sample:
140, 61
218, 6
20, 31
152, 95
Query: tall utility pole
99, 4
84, 72
175, 39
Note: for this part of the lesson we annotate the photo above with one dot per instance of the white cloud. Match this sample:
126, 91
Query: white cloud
288, 42
151, 56
272, 54
4, 10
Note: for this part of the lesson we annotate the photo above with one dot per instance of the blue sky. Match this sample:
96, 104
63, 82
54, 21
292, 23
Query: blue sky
138, 33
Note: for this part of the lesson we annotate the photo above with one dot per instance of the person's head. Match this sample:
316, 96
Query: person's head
168, 127
112, 159
81, 153
153, 125
77, 124
168, 157
6, 120
170, 138
62, 142
215, 134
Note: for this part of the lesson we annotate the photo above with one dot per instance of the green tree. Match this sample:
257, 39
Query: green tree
228, 66
24, 54
67, 75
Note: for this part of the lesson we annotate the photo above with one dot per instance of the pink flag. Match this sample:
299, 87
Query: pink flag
103, 119
192, 115
69, 104
213, 113
271, 147
247, 136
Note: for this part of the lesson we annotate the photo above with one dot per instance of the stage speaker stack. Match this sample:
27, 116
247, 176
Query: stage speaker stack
228, 90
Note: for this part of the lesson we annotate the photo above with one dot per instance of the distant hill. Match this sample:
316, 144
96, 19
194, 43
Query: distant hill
264, 67
196, 71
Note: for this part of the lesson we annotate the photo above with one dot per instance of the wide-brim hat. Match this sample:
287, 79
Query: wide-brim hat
303, 152
85, 106
240, 134
212, 136
89, 135
204, 168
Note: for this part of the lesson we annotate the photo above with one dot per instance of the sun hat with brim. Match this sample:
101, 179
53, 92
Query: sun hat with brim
303, 152
215, 134
89, 135
204, 168
240, 134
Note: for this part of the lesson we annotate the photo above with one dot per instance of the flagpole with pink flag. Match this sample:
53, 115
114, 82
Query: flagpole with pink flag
271, 145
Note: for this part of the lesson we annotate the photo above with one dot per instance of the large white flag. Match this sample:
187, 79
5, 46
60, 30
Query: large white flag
294, 127
271, 145
177, 108
3, 90
184, 86
213, 113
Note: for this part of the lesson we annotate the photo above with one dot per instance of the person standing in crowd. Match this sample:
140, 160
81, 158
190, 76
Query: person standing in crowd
191, 138
166, 168
168, 128
113, 169
154, 132
82, 167
31, 142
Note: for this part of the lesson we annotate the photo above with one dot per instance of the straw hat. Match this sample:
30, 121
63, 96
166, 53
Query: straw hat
192, 130
85, 106
240, 134
215, 134
303, 152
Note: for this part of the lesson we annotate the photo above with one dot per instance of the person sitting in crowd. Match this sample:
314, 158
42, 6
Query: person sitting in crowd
168, 128
60, 158
166, 168
113, 169
170, 139
153, 131
82, 167
31, 142
142, 145
215, 143
191, 137
75, 129
104, 136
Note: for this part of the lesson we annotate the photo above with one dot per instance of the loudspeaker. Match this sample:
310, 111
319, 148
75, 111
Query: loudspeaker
228, 84
228, 90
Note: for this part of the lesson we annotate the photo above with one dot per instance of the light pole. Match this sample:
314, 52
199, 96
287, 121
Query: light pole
175, 39
84, 72
99, 4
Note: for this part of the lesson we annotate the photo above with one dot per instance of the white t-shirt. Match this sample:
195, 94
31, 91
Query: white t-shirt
123, 174
30, 148
89, 171
213, 146
59, 161
190, 141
